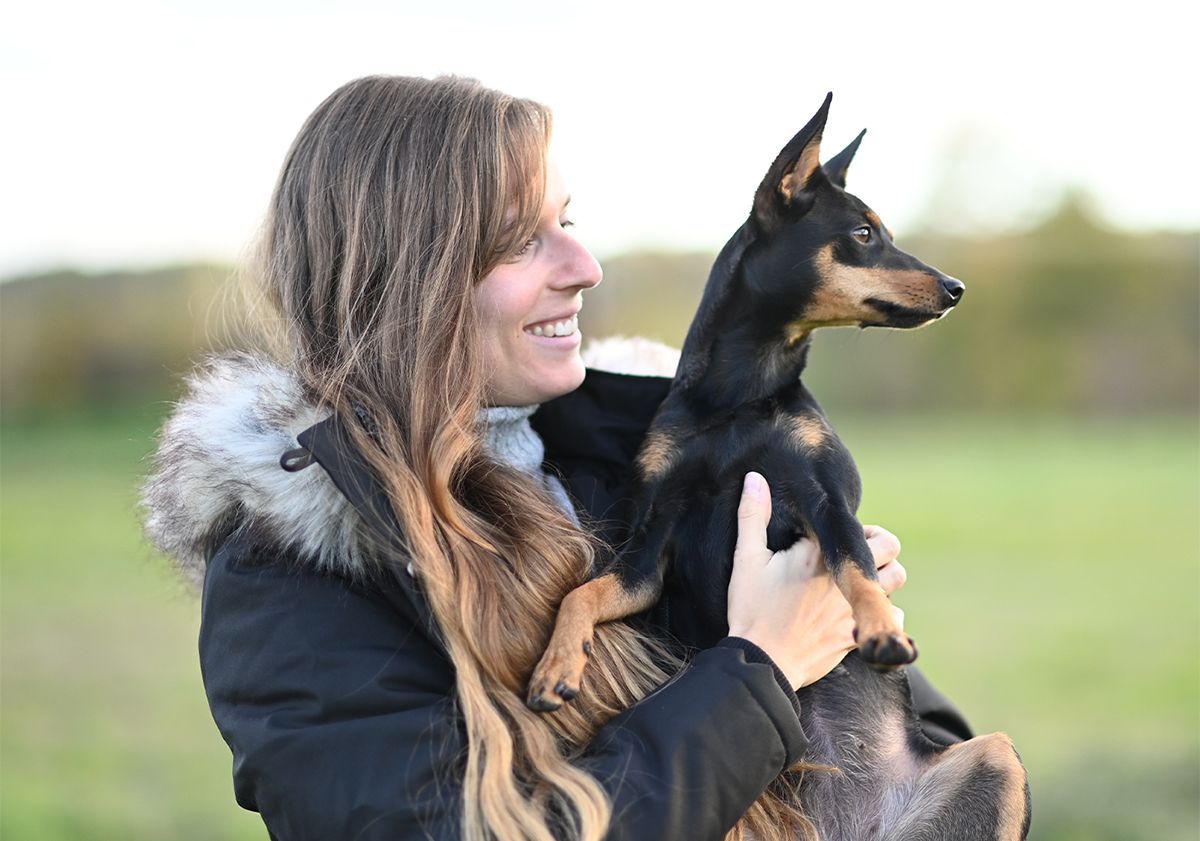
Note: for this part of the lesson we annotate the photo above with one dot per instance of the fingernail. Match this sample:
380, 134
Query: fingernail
753, 484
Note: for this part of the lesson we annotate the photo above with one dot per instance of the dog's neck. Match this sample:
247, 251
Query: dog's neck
746, 366
739, 349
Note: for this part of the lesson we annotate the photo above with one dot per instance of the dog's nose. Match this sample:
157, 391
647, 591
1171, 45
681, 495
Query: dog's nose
953, 288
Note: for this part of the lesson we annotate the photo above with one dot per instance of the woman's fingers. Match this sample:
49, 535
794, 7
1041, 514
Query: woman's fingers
754, 513
892, 577
885, 546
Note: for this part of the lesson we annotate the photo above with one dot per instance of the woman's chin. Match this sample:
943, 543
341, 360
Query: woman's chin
563, 379
537, 384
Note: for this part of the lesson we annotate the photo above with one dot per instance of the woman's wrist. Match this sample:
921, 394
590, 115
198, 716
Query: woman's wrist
768, 646
792, 676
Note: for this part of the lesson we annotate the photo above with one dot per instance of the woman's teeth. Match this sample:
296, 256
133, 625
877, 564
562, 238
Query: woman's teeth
555, 328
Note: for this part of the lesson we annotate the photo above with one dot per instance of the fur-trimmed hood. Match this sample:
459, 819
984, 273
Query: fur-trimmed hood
217, 466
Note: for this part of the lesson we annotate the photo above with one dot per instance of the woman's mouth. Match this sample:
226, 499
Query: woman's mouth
562, 327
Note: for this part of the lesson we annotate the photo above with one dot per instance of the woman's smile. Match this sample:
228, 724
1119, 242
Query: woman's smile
555, 327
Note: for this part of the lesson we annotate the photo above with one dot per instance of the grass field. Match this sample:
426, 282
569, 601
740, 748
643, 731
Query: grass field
1054, 590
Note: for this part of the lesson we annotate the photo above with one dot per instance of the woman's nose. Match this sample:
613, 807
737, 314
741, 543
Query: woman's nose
579, 268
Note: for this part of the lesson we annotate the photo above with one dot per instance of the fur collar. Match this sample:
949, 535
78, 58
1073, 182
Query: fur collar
217, 464
217, 467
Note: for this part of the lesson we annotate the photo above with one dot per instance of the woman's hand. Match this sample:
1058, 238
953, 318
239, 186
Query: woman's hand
786, 603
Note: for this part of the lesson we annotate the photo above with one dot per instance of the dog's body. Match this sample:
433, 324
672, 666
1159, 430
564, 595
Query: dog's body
810, 255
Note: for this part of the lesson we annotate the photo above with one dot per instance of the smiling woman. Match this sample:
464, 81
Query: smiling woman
529, 308
384, 538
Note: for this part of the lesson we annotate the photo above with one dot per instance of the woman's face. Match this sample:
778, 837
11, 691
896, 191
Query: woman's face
528, 308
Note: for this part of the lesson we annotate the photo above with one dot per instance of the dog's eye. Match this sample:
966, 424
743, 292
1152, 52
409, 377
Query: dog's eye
862, 234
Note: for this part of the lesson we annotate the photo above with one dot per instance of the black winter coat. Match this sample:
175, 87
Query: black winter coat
337, 699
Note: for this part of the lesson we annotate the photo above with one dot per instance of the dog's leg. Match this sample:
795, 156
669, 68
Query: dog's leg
632, 583
881, 640
976, 791
560, 671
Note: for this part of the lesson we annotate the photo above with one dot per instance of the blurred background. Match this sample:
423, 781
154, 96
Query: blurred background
1037, 452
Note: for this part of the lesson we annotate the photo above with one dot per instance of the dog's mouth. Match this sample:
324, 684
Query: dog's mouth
898, 315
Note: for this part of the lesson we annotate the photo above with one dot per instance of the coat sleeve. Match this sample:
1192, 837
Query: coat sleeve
941, 721
689, 759
340, 715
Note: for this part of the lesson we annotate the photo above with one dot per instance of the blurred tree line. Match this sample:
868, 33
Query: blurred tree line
1068, 316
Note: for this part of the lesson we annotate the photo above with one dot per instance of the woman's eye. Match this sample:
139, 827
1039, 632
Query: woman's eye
862, 234
525, 248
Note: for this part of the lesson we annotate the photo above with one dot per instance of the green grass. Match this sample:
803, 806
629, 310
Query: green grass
1054, 591
106, 733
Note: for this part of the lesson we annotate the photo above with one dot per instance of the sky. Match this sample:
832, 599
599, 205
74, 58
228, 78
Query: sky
140, 133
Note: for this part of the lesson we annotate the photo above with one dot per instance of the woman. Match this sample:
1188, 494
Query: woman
369, 621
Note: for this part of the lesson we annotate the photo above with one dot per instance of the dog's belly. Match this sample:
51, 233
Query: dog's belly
860, 722
859, 716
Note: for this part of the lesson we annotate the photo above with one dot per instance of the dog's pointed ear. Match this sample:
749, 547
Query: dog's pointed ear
837, 166
787, 181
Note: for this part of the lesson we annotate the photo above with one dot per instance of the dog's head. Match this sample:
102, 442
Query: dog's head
827, 258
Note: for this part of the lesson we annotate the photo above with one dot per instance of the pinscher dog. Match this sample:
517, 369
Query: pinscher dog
810, 255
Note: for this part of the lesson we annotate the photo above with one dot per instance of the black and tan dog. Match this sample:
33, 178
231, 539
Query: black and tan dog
810, 255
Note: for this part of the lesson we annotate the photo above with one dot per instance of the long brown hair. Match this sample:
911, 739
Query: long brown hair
395, 199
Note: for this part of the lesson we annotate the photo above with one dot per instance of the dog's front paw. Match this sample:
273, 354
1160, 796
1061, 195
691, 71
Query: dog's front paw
558, 675
888, 650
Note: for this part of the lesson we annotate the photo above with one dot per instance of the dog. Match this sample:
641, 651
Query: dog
810, 255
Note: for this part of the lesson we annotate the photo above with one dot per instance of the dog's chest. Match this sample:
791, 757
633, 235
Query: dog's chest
803, 442
799, 453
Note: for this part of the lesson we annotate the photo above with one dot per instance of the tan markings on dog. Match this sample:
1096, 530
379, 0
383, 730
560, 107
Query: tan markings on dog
1002, 756
808, 431
799, 174
994, 752
657, 454
602, 599
840, 295
794, 332
941, 785
872, 611
874, 219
